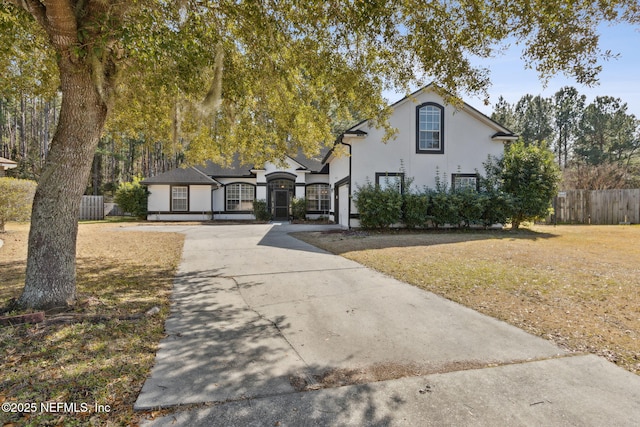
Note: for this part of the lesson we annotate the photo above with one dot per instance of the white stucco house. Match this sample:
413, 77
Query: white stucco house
207, 192
6, 164
433, 138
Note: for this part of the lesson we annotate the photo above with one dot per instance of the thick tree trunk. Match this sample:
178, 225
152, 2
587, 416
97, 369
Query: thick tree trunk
51, 260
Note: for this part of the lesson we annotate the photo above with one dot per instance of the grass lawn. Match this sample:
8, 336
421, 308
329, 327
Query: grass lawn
578, 286
102, 351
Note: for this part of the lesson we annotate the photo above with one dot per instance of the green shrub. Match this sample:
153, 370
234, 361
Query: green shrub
299, 208
378, 208
502, 195
497, 207
471, 206
131, 197
16, 198
260, 210
444, 208
529, 175
414, 209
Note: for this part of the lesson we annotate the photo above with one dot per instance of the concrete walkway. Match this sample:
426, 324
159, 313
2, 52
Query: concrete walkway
258, 315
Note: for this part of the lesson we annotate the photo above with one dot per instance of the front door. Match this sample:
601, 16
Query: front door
281, 205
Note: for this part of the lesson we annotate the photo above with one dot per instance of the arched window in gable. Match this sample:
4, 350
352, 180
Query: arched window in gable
430, 128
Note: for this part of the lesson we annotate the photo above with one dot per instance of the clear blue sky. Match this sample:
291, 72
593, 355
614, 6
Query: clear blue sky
619, 78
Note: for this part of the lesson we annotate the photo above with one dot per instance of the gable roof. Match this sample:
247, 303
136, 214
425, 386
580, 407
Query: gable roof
500, 129
502, 133
238, 170
313, 164
8, 164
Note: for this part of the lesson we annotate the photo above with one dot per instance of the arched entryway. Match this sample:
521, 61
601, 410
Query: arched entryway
280, 192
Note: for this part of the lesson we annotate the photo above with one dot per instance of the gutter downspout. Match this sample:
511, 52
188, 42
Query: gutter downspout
341, 141
214, 187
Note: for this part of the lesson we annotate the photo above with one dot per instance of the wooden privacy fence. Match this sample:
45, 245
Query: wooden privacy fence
92, 208
607, 207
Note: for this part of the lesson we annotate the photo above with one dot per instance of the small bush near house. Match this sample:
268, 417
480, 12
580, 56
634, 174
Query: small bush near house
16, 198
299, 208
470, 206
444, 207
131, 197
414, 209
260, 210
496, 207
378, 208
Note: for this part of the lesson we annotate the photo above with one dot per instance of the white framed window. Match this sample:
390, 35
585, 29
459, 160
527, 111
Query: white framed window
390, 180
318, 197
429, 128
180, 199
464, 181
239, 197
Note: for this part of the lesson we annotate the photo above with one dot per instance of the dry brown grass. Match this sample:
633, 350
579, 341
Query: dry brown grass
578, 286
102, 351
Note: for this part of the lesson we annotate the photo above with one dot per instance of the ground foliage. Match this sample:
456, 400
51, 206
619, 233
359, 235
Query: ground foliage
102, 350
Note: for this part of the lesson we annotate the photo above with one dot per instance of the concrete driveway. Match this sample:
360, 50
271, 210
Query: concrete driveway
259, 319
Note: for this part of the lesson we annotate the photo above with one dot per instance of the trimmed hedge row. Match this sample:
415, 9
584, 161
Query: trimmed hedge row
382, 208
518, 187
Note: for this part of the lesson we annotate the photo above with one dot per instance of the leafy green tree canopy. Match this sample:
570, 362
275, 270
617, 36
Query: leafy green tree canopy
262, 78
607, 133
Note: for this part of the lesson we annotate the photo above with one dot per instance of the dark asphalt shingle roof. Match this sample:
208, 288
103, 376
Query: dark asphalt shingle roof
201, 174
235, 169
188, 175
315, 163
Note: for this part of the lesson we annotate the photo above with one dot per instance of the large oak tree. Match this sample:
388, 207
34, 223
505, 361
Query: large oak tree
260, 78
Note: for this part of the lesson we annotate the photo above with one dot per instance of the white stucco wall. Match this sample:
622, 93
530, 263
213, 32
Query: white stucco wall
290, 167
200, 198
203, 201
315, 178
160, 201
467, 138
159, 198
234, 217
261, 192
467, 142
